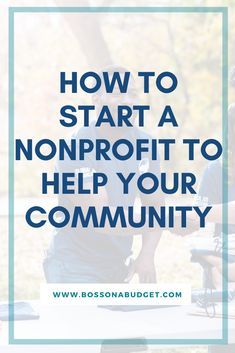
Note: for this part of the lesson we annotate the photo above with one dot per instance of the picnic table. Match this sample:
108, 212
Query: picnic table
71, 322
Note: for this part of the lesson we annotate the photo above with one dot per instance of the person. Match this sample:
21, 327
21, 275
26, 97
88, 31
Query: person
211, 192
103, 255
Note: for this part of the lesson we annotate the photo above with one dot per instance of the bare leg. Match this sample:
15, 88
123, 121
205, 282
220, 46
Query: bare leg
214, 261
216, 277
216, 271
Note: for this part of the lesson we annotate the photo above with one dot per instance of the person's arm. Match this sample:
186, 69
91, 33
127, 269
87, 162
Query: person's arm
192, 225
216, 213
144, 265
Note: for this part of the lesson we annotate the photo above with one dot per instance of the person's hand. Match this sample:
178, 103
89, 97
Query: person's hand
144, 267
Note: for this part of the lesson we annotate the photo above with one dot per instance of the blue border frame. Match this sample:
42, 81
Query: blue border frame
224, 12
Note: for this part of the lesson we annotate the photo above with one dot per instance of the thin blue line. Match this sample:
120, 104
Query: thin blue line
11, 175
120, 341
121, 9
225, 172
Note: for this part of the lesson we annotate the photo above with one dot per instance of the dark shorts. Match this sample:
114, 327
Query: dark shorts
62, 270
